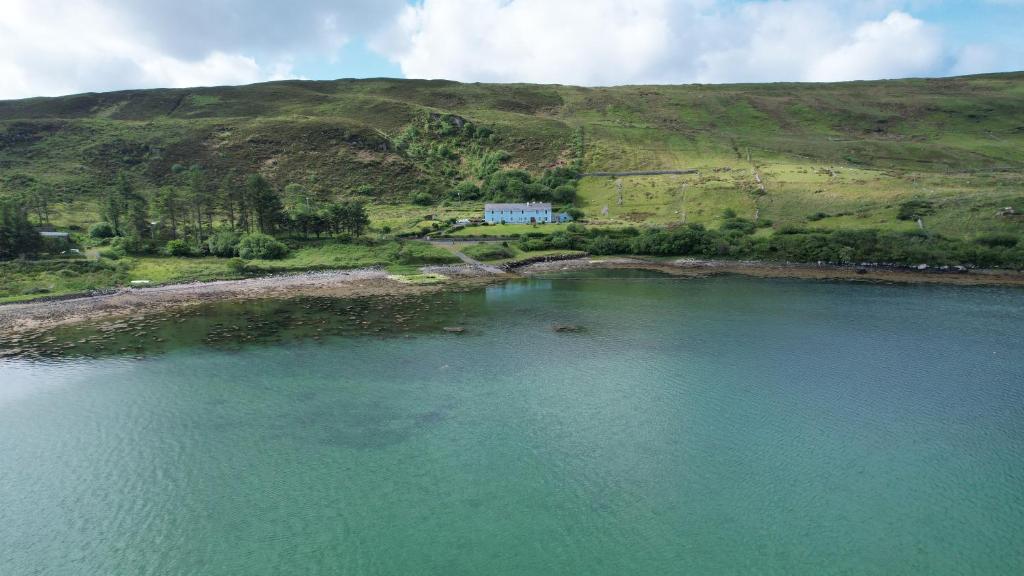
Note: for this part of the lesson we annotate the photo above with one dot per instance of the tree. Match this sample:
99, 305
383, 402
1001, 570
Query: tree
17, 236
117, 201
296, 198
39, 200
138, 216
353, 218
231, 199
199, 200
168, 208
266, 204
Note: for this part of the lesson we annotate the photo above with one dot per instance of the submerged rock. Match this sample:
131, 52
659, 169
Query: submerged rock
566, 328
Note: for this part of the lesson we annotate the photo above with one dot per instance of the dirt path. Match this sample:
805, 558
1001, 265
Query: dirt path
478, 264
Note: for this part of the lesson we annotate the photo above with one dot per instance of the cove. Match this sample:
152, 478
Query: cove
721, 425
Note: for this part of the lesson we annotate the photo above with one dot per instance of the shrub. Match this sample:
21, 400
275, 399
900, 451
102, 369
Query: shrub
237, 265
101, 230
261, 246
136, 245
914, 209
997, 240
178, 248
112, 253
422, 199
465, 190
566, 194
741, 225
224, 243
423, 253
485, 251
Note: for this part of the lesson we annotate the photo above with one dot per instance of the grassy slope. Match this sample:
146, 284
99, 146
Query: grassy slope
958, 141
831, 155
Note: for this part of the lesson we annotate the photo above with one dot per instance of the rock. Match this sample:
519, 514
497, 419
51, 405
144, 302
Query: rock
862, 270
566, 328
922, 266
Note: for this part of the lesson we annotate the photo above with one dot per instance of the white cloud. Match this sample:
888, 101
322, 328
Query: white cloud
596, 42
898, 46
52, 48
529, 40
976, 59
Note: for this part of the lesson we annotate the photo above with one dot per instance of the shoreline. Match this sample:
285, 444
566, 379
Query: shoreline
44, 314
48, 313
760, 269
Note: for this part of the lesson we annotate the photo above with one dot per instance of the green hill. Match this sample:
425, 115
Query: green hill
838, 155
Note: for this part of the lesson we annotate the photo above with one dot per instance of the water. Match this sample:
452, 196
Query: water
703, 426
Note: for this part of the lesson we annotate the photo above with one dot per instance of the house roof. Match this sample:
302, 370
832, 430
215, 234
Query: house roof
524, 206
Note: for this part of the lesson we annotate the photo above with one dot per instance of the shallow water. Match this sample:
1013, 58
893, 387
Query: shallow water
707, 426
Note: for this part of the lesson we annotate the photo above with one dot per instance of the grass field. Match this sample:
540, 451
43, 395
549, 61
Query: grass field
27, 280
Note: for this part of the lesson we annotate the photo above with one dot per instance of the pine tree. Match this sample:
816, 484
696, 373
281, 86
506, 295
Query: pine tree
266, 204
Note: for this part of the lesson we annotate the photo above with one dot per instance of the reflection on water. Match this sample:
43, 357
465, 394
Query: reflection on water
233, 325
514, 290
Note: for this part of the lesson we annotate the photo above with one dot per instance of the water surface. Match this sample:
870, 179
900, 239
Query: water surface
705, 426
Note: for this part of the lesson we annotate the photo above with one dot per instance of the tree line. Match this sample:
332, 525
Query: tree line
736, 239
193, 212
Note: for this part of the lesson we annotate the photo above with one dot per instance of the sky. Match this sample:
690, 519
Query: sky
56, 47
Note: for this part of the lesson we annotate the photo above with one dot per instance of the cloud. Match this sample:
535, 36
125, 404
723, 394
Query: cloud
595, 42
51, 47
529, 40
898, 46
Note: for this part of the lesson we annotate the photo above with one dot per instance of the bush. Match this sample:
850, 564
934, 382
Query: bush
237, 265
997, 240
422, 199
115, 253
224, 243
914, 209
423, 253
741, 225
485, 251
465, 191
135, 245
101, 230
261, 246
178, 248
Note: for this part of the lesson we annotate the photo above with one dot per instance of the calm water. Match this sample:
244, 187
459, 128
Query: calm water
713, 426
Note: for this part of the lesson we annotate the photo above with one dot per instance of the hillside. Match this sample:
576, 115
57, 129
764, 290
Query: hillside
836, 155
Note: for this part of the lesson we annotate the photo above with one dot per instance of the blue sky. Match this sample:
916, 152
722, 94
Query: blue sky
52, 47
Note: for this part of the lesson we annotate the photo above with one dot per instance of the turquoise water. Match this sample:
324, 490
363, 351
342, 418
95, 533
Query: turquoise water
702, 426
